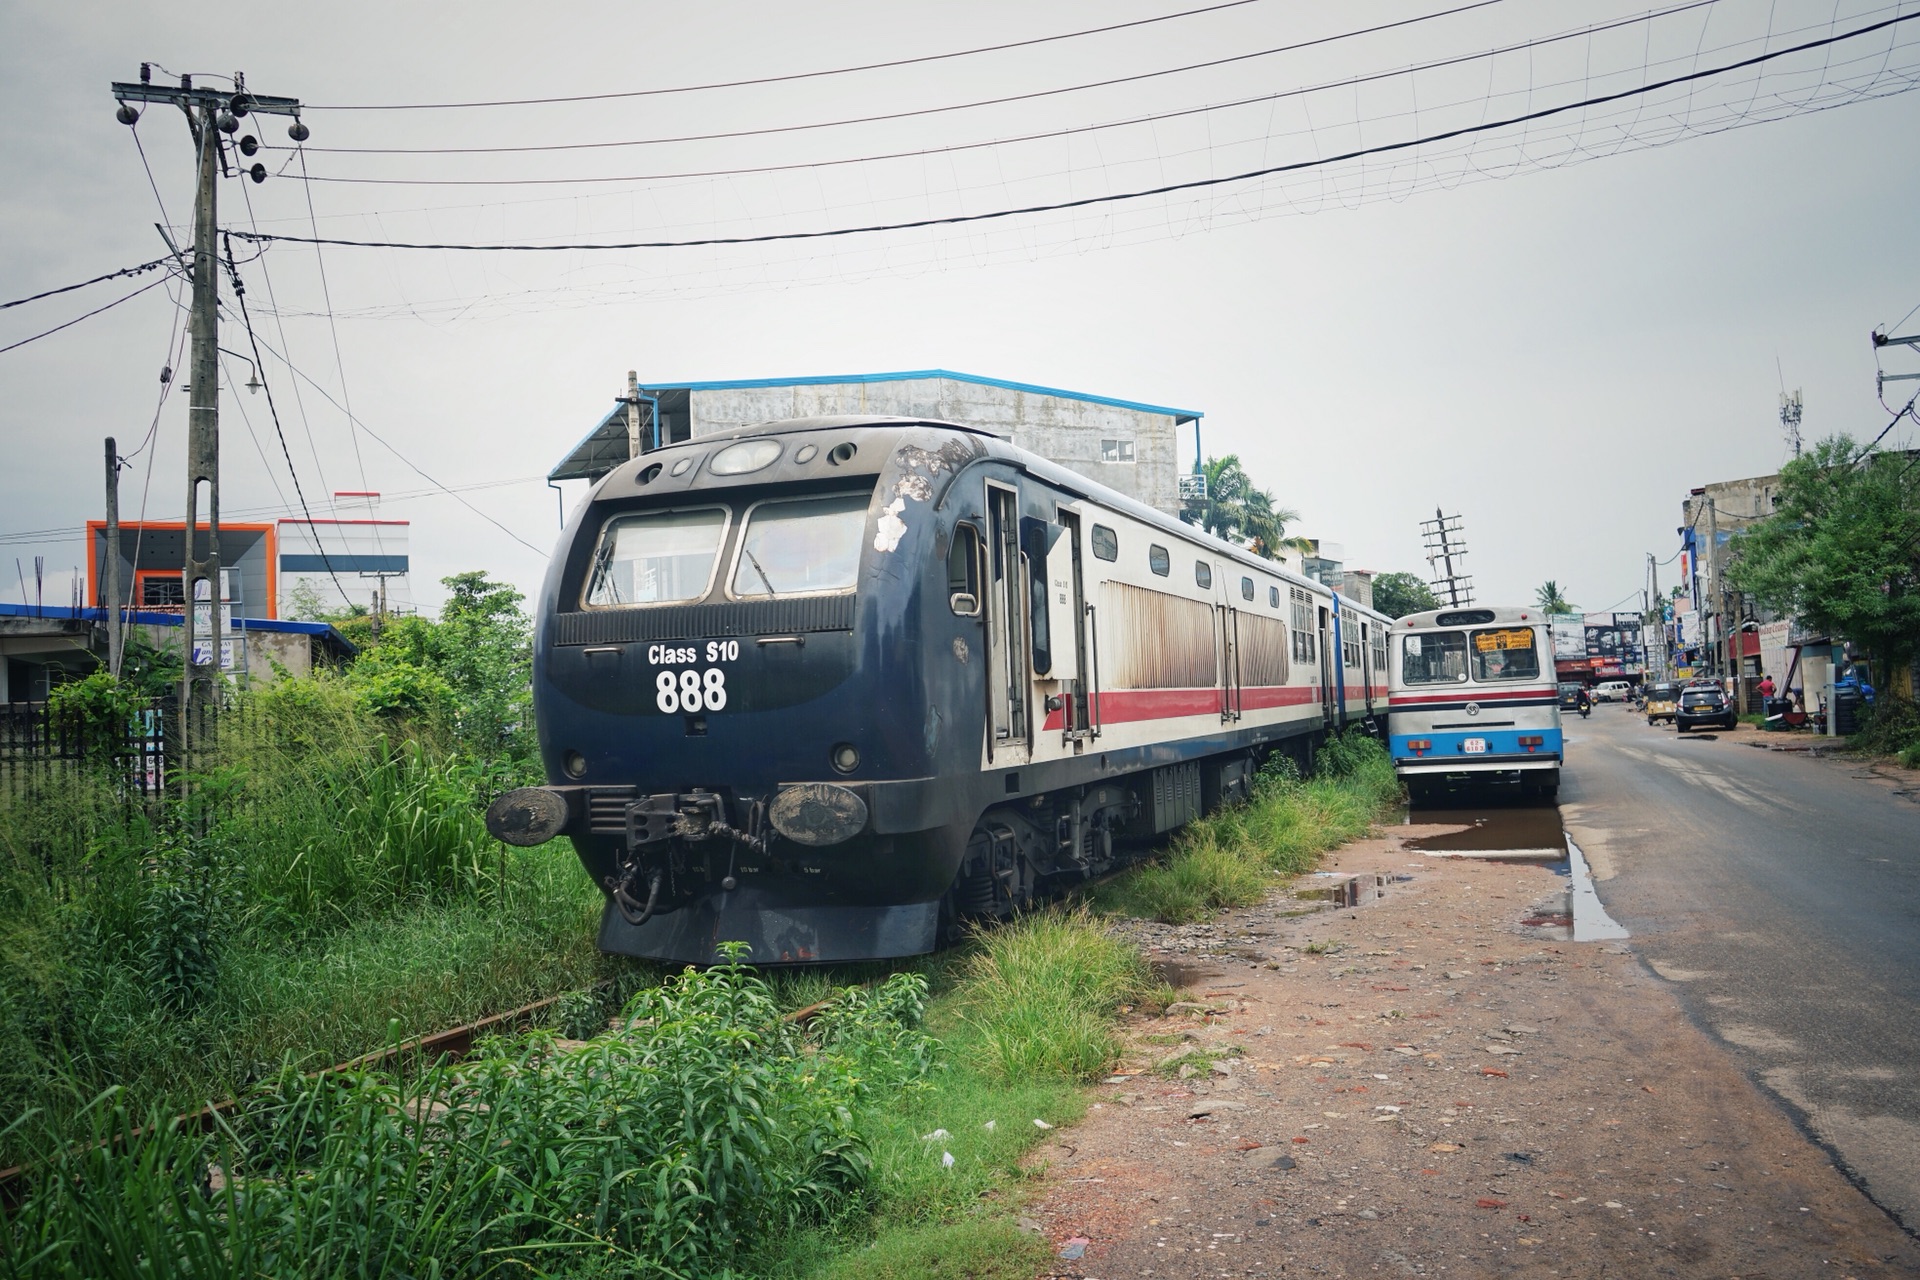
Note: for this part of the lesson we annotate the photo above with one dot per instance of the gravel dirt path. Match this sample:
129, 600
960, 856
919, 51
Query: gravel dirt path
1427, 1084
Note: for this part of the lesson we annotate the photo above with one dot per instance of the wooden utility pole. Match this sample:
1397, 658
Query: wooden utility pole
110, 593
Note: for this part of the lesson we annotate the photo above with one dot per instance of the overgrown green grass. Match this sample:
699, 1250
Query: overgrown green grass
1024, 1015
669, 1148
330, 888
1230, 858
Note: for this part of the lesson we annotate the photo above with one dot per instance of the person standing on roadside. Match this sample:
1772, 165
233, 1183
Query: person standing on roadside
1766, 686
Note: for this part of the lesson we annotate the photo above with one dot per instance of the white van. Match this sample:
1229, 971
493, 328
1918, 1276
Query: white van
1612, 691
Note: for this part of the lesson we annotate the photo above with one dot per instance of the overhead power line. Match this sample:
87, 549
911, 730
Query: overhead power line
916, 113
1068, 131
1123, 196
790, 76
453, 492
47, 333
69, 288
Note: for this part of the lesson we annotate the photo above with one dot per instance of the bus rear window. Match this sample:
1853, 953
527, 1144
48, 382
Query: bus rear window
658, 557
1433, 657
801, 546
1505, 653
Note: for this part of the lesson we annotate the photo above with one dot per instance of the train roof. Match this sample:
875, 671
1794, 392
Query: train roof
1476, 615
991, 445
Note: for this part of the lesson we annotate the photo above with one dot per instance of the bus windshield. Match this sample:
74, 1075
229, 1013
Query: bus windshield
1435, 657
1505, 653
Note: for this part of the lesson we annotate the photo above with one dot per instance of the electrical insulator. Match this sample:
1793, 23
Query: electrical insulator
258, 173
298, 131
249, 144
127, 113
225, 123
240, 104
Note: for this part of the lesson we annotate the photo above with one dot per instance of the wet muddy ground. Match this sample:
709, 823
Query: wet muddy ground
1439, 1079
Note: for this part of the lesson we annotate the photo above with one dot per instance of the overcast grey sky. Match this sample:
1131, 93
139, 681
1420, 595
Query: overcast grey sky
1554, 330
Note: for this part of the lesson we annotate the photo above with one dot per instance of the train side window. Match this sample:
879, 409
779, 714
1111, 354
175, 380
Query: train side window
1203, 573
1246, 588
1273, 597
1106, 543
1159, 561
963, 572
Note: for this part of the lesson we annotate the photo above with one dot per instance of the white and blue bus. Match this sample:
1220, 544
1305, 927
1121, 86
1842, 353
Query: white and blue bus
1474, 701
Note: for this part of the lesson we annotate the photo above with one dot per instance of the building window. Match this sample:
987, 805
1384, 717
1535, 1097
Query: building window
1116, 451
1158, 560
1106, 543
162, 591
1203, 573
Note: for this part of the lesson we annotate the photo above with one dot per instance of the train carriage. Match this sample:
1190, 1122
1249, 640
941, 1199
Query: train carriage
832, 686
1474, 701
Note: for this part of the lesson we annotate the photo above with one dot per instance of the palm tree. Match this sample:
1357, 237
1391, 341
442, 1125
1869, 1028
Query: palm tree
1550, 600
1238, 512
1265, 526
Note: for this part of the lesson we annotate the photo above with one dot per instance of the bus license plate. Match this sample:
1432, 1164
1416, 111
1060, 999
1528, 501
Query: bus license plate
1474, 746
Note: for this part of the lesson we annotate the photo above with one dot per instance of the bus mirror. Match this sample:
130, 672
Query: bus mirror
964, 603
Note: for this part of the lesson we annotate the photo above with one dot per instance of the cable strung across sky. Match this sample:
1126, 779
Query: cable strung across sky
920, 153
792, 75
930, 111
1120, 197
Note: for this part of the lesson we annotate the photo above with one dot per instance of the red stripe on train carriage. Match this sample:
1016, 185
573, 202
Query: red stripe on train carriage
1122, 706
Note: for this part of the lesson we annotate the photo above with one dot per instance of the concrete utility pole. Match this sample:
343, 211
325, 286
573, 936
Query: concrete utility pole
1660, 615
633, 414
201, 579
110, 594
212, 115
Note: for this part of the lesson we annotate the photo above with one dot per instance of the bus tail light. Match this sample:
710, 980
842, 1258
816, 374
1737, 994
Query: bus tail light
1419, 745
1531, 741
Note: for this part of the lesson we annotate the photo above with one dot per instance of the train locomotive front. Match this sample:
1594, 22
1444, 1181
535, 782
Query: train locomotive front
798, 685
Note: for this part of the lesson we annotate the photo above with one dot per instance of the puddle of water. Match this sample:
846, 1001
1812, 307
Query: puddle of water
1528, 833
1591, 922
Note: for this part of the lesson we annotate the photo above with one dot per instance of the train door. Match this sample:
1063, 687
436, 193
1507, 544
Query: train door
1067, 586
1231, 702
1329, 660
1366, 664
1005, 601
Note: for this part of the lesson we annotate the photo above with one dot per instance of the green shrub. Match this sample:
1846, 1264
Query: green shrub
704, 1126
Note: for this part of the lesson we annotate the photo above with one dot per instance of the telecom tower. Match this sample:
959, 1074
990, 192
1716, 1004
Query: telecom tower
1790, 418
1446, 545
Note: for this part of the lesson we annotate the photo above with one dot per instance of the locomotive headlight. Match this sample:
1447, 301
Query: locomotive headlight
575, 764
846, 757
818, 813
744, 458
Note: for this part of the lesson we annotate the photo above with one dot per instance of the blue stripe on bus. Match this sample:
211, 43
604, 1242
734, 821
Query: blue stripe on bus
1500, 742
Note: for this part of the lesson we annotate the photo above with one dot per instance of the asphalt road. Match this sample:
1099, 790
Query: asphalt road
1781, 895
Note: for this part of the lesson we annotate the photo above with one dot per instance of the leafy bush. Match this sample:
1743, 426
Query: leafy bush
1890, 727
703, 1126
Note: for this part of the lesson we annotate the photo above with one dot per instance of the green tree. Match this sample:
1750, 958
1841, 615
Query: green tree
1238, 511
1548, 596
1841, 551
1399, 594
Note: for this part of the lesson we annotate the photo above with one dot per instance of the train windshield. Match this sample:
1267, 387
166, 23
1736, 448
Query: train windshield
801, 546
1433, 657
656, 558
1505, 653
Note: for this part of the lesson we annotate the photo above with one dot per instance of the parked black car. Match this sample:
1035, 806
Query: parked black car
1704, 705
